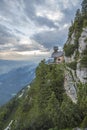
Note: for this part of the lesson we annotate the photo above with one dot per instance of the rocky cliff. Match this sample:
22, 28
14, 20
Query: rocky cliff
75, 54
76, 46
44, 105
81, 69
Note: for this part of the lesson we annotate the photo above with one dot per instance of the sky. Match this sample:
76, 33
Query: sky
30, 28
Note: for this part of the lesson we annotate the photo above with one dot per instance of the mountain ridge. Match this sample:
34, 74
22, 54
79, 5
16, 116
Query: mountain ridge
14, 80
47, 103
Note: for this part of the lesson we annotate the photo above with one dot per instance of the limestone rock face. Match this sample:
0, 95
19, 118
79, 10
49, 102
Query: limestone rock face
70, 59
70, 87
72, 39
81, 72
82, 42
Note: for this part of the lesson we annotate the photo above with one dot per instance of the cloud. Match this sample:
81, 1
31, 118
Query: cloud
52, 38
4, 31
34, 25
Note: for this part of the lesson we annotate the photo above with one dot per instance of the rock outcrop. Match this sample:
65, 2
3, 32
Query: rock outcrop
70, 86
81, 71
82, 41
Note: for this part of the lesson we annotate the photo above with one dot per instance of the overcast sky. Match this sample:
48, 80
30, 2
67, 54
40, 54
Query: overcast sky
32, 27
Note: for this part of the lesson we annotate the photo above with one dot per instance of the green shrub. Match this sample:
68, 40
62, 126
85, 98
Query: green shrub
84, 123
72, 65
69, 49
84, 61
77, 55
71, 29
85, 23
85, 52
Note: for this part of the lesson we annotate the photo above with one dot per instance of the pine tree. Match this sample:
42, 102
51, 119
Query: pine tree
78, 15
84, 8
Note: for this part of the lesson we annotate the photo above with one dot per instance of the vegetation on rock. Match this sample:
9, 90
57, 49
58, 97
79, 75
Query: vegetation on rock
72, 65
69, 49
45, 105
76, 28
83, 61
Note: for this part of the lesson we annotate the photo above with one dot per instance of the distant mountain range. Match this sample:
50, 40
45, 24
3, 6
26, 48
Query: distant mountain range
16, 75
8, 65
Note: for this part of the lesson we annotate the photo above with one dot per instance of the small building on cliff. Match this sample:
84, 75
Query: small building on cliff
57, 55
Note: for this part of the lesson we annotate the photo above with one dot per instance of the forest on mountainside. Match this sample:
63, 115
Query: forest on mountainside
45, 105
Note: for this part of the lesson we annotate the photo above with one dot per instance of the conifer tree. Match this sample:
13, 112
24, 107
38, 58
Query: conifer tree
78, 15
84, 8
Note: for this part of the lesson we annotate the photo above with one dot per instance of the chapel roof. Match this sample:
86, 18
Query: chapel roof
57, 54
